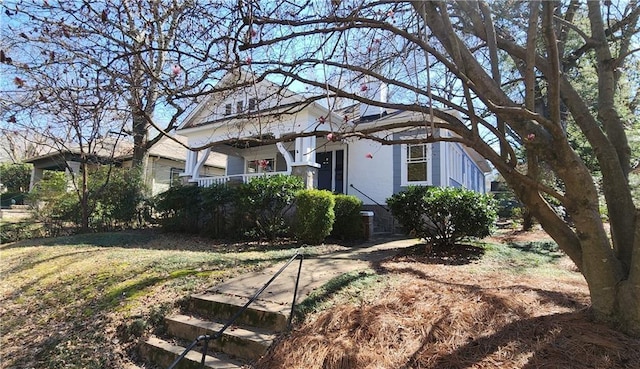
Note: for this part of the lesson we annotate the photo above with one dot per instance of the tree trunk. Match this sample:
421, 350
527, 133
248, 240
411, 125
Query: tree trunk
533, 172
609, 268
140, 145
84, 198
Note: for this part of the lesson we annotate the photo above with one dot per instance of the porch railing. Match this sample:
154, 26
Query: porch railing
244, 178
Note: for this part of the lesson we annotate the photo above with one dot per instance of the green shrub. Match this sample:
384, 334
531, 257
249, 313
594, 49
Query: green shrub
15, 231
217, 207
507, 205
348, 223
15, 177
314, 215
262, 203
408, 206
179, 209
55, 208
116, 195
443, 216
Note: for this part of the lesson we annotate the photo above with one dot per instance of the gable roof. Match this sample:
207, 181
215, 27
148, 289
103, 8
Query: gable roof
239, 85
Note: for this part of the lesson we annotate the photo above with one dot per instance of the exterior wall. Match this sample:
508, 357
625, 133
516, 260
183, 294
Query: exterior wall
235, 165
468, 174
159, 173
437, 163
372, 176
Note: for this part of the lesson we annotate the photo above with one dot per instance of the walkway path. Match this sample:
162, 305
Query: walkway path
316, 271
257, 327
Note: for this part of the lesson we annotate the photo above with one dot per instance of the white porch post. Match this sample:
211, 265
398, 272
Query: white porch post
36, 176
286, 155
189, 164
198, 165
305, 165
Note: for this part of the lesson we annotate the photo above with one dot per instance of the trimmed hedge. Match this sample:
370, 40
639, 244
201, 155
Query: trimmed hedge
314, 215
262, 203
444, 216
179, 209
253, 210
348, 221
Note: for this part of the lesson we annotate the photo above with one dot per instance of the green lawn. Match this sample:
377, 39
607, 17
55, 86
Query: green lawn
83, 301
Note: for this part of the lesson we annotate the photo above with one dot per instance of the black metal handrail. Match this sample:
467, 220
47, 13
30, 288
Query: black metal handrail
368, 197
207, 337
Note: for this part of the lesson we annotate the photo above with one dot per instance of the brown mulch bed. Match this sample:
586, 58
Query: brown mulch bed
453, 315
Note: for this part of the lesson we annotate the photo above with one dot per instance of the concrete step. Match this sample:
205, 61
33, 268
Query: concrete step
247, 343
163, 353
262, 314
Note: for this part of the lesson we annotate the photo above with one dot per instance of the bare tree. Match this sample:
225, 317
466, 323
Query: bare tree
155, 56
509, 69
77, 134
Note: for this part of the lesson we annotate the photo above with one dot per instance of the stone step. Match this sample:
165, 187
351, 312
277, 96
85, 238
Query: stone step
246, 343
262, 314
163, 353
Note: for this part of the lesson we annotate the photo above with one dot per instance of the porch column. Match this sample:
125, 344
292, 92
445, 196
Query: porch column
195, 174
73, 169
308, 173
305, 165
36, 176
192, 159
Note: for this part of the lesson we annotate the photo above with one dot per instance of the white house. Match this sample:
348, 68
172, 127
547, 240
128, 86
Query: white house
246, 122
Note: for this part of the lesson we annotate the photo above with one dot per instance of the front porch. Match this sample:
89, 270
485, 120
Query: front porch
236, 178
321, 164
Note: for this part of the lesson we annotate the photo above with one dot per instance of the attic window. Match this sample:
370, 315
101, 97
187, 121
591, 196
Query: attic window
227, 109
239, 106
252, 104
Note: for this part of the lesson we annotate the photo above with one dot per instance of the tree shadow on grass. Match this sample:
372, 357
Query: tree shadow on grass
562, 340
459, 254
153, 239
327, 291
548, 249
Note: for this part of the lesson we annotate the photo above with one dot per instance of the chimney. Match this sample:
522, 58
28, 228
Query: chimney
376, 91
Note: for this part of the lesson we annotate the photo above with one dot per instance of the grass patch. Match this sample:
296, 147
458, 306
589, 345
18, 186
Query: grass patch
83, 301
352, 287
525, 257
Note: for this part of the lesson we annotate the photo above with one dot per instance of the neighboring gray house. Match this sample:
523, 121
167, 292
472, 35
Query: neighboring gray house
166, 161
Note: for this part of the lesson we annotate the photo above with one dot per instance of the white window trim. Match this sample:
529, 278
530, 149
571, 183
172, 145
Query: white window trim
259, 170
403, 168
174, 175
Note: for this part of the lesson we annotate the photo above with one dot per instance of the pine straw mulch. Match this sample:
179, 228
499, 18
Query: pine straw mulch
442, 315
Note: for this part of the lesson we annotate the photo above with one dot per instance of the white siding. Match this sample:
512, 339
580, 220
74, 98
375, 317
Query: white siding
373, 176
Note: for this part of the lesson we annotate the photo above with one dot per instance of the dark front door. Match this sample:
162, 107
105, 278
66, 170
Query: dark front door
325, 172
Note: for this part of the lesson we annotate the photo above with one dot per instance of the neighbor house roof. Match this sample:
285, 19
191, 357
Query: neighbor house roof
119, 150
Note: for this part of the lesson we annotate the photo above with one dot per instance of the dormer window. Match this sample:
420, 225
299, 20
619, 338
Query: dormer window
227, 109
239, 106
252, 104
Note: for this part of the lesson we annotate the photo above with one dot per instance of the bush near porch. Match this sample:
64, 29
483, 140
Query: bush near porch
263, 209
443, 216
